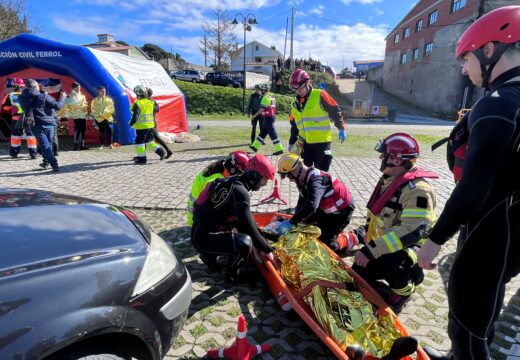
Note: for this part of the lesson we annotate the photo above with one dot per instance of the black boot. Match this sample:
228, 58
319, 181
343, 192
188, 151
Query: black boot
160, 151
169, 153
355, 352
436, 355
401, 348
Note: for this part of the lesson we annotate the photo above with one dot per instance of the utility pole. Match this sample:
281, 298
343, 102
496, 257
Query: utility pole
292, 39
285, 44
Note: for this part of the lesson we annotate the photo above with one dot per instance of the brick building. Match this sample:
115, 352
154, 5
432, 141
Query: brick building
419, 57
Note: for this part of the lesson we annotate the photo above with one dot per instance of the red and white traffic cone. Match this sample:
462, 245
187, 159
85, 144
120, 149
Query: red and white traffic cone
275, 195
241, 348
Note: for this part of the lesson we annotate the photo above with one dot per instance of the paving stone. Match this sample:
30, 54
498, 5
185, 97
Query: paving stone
109, 175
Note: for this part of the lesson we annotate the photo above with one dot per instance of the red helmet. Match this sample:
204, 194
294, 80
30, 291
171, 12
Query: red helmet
299, 78
400, 145
236, 162
18, 82
261, 165
500, 25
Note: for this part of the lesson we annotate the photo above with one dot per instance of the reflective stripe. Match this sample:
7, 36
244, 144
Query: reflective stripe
330, 210
392, 242
340, 202
405, 291
313, 122
241, 334
416, 213
412, 255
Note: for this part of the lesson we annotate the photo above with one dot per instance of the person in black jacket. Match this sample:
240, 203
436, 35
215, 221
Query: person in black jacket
324, 200
252, 108
40, 106
156, 135
224, 205
485, 203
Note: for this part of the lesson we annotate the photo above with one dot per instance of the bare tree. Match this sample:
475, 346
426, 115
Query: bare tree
14, 19
220, 39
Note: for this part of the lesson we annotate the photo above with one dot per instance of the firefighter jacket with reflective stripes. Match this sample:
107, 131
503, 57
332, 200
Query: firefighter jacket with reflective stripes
143, 114
199, 184
268, 105
320, 191
75, 106
405, 218
102, 108
312, 121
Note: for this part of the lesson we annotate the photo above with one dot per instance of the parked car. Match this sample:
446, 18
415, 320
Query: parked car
214, 78
188, 75
80, 279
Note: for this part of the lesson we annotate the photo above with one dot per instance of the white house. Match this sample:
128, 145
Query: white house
260, 59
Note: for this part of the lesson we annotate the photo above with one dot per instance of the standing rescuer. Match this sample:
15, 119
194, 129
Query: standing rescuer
143, 122
401, 210
486, 199
223, 223
20, 128
311, 114
268, 112
252, 108
324, 200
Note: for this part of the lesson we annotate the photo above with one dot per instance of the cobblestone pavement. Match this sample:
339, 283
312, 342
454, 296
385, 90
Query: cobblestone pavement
109, 175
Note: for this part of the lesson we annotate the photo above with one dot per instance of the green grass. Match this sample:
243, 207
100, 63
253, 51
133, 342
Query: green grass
360, 142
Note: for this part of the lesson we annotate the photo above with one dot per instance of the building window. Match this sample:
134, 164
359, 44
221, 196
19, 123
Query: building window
415, 54
418, 26
432, 19
403, 58
396, 38
257, 47
457, 5
406, 33
428, 49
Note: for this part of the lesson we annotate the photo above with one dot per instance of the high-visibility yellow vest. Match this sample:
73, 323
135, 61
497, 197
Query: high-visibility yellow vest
199, 184
313, 122
145, 118
13, 98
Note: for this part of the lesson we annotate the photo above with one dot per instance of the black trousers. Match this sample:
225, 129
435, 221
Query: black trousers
160, 141
318, 155
213, 243
254, 122
331, 224
80, 126
395, 268
105, 133
487, 258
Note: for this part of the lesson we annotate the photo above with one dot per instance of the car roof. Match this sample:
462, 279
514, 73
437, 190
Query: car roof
40, 226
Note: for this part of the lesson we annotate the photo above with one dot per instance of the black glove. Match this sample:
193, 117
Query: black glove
361, 234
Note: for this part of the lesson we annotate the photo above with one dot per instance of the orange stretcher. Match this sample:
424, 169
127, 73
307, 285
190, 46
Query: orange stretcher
289, 298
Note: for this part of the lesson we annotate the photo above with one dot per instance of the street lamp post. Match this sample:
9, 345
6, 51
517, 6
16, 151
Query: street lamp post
247, 21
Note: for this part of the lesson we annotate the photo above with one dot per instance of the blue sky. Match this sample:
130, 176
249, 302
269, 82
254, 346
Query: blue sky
335, 32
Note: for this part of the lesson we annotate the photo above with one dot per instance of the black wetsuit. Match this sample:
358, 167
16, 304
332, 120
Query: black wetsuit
222, 206
487, 201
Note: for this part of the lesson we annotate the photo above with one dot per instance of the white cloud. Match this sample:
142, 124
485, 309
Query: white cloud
363, 2
317, 10
335, 45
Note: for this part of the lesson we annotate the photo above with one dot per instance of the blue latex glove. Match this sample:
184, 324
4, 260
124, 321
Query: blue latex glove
285, 226
342, 135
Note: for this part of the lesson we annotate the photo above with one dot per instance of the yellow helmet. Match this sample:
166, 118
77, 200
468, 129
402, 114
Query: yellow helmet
288, 163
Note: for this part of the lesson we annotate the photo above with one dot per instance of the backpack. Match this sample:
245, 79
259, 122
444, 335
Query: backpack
457, 145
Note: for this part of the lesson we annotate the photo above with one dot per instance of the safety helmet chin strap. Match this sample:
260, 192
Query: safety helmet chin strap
488, 64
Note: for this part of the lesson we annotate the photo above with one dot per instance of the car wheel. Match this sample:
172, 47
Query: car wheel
210, 83
174, 78
193, 80
230, 85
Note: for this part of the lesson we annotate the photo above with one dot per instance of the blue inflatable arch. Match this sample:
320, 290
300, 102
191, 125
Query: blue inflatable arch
29, 51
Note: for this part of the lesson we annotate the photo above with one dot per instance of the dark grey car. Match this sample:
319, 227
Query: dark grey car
81, 278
